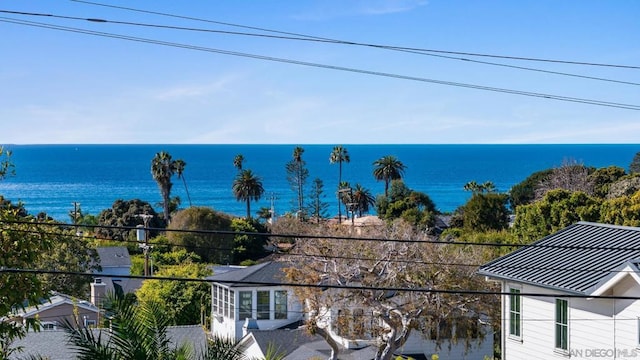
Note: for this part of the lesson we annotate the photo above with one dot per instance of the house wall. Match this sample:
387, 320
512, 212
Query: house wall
597, 327
626, 332
57, 314
232, 327
418, 344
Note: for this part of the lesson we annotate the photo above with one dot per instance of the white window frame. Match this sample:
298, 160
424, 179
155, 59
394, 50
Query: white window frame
260, 311
515, 292
245, 308
279, 306
559, 325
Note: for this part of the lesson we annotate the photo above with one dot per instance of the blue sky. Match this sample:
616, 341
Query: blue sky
66, 87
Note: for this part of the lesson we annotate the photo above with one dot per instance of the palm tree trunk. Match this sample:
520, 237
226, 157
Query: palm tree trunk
186, 189
248, 208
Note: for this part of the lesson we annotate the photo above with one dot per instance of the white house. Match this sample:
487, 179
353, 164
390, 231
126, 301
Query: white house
251, 297
250, 306
572, 294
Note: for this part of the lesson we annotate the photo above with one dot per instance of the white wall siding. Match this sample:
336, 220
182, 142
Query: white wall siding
598, 328
538, 332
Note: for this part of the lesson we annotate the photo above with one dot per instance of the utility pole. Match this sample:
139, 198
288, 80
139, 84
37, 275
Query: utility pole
143, 238
272, 210
76, 206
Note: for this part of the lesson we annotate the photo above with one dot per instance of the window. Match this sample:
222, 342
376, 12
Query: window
562, 325
225, 304
246, 303
214, 299
49, 325
280, 304
90, 323
264, 305
515, 313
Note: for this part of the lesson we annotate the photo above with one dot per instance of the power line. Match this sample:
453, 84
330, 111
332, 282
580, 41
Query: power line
319, 286
314, 39
355, 258
570, 62
328, 67
329, 237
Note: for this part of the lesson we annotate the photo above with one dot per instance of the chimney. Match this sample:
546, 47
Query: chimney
98, 292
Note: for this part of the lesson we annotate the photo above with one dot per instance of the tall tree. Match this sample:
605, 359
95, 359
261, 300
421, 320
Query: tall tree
211, 247
388, 168
247, 187
139, 330
297, 175
357, 274
180, 165
23, 242
318, 207
363, 199
162, 169
6, 166
339, 155
238, 160
184, 302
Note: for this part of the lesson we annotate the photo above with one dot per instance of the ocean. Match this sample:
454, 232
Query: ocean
50, 178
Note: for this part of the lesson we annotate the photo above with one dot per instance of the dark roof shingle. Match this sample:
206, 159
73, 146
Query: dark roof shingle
574, 259
266, 273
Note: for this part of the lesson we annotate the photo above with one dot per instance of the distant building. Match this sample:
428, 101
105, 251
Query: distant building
115, 261
59, 308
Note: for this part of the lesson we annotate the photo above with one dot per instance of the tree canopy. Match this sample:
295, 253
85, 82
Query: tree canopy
185, 303
190, 227
247, 187
370, 267
386, 169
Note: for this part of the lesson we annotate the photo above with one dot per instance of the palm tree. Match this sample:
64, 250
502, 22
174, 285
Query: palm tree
138, 331
297, 175
363, 199
339, 155
388, 168
162, 169
237, 161
246, 187
180, 164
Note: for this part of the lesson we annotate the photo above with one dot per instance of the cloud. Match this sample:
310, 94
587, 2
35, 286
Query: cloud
336, 9
382, 7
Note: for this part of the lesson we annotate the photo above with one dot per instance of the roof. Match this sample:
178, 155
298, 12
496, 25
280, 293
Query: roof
113, 256
55, 300
576, 259
54, 345
268, 272
298, 344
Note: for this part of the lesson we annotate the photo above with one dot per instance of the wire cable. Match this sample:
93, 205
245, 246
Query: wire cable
341, 257
348, 42
4, 270
329, 67
318, 40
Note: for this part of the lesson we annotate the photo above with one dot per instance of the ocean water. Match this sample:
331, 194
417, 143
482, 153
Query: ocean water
50, 178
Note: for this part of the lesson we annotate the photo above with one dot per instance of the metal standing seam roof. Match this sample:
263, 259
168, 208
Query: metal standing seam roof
574, 259
268, 272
